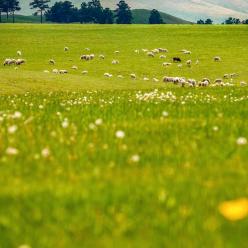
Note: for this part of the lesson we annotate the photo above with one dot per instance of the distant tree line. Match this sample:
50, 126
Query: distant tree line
9, 7
230, 20
65, 12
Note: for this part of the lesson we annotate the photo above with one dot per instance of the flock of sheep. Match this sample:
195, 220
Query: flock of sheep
161, 52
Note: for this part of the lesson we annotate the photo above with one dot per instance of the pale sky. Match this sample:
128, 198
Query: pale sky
191, 10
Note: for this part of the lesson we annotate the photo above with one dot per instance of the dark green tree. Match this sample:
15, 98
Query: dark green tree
5, 8
230, 20
155, 17
108, 16
200, 21
95, 11
123, 13
41, 6
83, 13
209, 21
62, 12
1, 9
13, 7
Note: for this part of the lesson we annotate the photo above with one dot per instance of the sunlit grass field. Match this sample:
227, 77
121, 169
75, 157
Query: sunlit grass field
90, 161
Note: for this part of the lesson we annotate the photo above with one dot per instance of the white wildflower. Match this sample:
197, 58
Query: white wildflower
241, 141
120, 134
12, 151
12, 129
45, 153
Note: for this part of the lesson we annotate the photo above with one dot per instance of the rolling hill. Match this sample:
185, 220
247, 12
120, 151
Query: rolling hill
191, 10
140, 16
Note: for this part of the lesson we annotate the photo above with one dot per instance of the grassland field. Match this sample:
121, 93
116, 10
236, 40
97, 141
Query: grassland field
90, 161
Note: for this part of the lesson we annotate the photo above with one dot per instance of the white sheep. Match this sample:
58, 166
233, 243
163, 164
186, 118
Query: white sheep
19, 53
52, 62
115, 62
155, 80
218, 81
55, 71
84, 72
162, 57
74, 67
117, 52
217, 59
146, 79
189, 62
20, 61
101, 56
150, 54
63, 72
163, 50
108, 75
166, 64
66, 49
133, 76
9, 62
120, 77
187, 52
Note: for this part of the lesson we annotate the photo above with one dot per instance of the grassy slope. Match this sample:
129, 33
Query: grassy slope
141, 16
88, 193
40, 43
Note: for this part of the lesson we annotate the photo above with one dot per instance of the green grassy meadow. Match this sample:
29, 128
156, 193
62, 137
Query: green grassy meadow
90, 161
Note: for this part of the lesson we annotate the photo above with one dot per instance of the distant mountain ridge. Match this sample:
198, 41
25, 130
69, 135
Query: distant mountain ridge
191, 10
140, 16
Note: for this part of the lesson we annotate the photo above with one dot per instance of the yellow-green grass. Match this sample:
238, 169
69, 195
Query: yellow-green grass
74, 184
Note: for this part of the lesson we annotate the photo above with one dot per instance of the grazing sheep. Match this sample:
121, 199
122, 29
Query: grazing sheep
55, 71
155, 50
19, 53
87, 57
218, 81
66, 49
101, 56
146, 79
120, 77
87, 49
192, 82
226, 76
189, 63
20, 61
52, 62
150, 54
197, 62
74, 67
84, 72
115, 62
155, 80
180, 66
232, 75
63, 72
243, 83
217, 59
163, 50
133, 76
108, 75
187, 52
166, 64
176, 60
9, 62
206, 79
117, 52
162, 57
